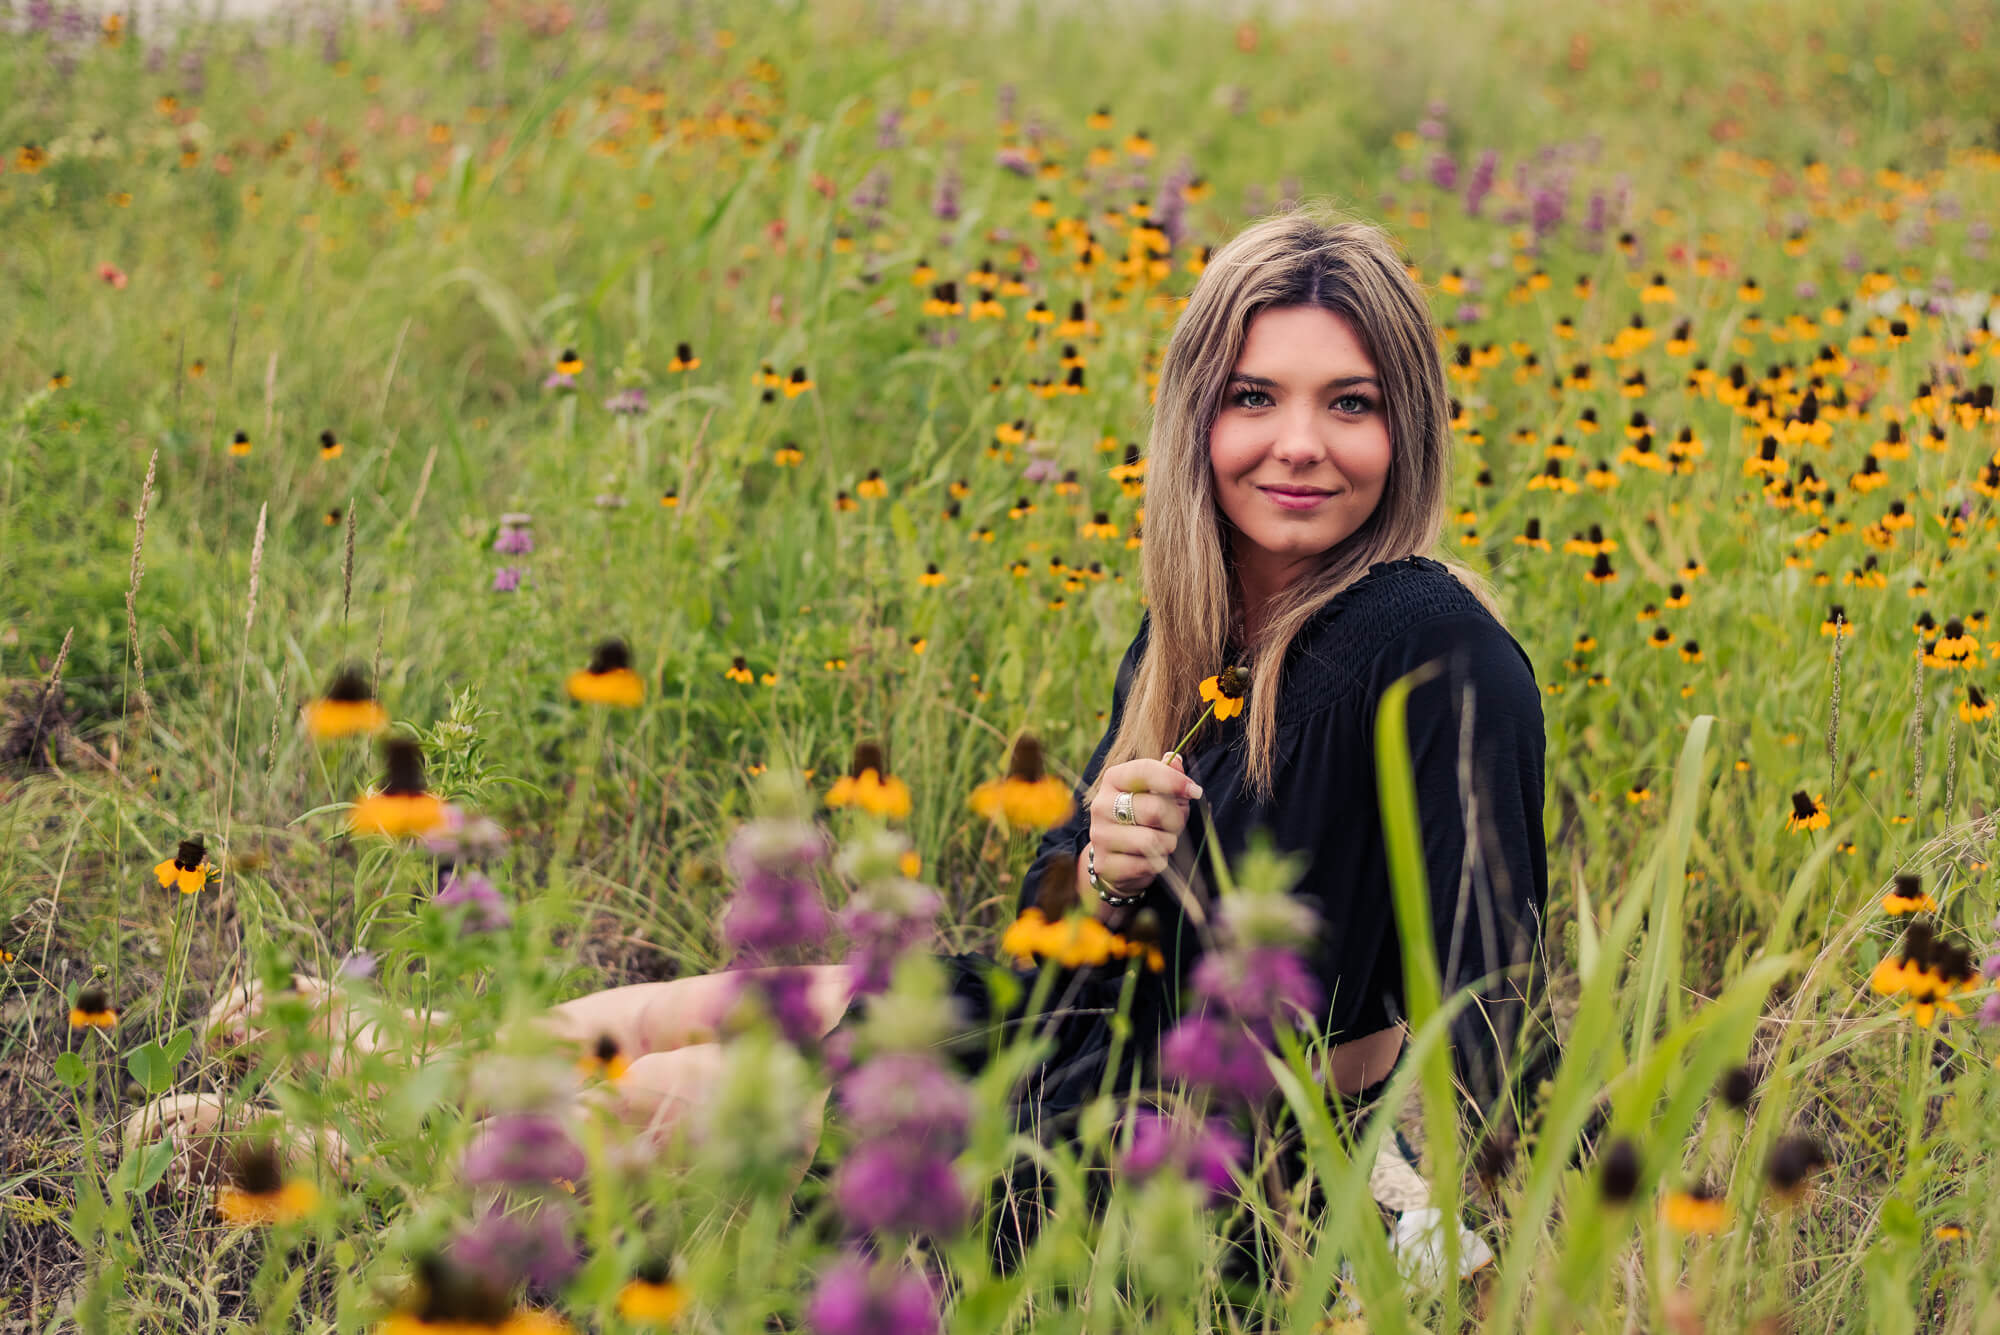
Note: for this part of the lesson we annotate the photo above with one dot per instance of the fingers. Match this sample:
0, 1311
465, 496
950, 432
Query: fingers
1151, 776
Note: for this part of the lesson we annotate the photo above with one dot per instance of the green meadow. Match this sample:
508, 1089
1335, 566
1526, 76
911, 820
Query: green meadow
808, 351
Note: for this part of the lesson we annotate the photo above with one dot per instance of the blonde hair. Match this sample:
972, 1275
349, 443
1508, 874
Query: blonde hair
1311, 256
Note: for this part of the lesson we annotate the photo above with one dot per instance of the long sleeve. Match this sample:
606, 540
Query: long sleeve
1070, 837
1487, 894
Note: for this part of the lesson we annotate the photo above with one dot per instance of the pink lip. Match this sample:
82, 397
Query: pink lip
1295, 499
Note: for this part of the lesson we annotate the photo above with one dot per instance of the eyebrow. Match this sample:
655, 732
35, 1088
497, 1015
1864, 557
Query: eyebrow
1338, 382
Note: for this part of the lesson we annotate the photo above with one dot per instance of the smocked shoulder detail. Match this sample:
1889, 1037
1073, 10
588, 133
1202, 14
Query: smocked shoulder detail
1330, 659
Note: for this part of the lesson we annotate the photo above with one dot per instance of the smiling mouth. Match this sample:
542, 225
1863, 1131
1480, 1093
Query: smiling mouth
1298, 491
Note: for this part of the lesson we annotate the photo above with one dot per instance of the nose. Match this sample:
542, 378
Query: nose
1301, 439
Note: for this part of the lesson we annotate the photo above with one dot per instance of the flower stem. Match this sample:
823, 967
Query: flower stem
1190, 732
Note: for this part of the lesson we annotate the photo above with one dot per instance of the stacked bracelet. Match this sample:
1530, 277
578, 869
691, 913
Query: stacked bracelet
1105, 892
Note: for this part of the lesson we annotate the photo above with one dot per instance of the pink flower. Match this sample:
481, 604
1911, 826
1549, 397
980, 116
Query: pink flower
112, 274
850, 1300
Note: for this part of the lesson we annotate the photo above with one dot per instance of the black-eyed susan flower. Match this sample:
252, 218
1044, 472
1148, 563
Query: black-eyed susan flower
1618, 1172
450, 1299
604, 1058
59, 380
187, 870
930, 577
1699, 1209
683, 358
1691, 651
1601, 571
1225, 692
570, 363
329, 445
1975, 707
1807, 813
872, 487
652, 1296
239, 444
609, 679
788, 455
403, 806
92, 1010
1836, 622
1907, 895
798, 383
1027, 797
258, 1192
868, 785
1531, 536
347, 708
1100, 526
739, 671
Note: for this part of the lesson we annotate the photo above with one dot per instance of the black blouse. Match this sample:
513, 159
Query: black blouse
1486, 900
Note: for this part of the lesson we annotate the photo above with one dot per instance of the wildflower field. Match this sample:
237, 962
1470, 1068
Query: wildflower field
503, 501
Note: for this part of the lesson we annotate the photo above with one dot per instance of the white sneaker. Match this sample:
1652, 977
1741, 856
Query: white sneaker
1418, 1244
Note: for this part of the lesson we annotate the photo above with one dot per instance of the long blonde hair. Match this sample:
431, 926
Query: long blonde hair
1311, 256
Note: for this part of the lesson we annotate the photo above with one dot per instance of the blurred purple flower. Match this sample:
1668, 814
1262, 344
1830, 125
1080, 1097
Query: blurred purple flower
1480, 184
520, 1149
1262, 983
1468, 312
1040, 470
887, 1186
944, 203
1598, 214
1547, 205
1219, 1055
627, 402
787, 998
851, 1300
1015, 160
461, 834
507, 579
1444, 171
358, 964
532, 1243
1807, 290
1430, 127
489, 911
1989, 1011
886, 131
559, 380
907, 1097
772, 912
880, 935
513, 541
1990, 970
1205, 1153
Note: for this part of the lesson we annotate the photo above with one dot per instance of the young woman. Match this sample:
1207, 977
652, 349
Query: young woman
1298, 471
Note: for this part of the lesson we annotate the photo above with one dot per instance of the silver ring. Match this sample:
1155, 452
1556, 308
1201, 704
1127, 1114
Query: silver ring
1121, 810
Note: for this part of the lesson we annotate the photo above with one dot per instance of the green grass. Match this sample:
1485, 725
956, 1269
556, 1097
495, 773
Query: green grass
626, 182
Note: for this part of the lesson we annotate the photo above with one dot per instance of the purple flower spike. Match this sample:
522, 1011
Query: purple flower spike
890, 1187
906, 1097
772, 913
787, 996
503, 1248
1220, 1055
521, 1149
1205, 1154
507, 579
489, 910
850, 1300
512, 541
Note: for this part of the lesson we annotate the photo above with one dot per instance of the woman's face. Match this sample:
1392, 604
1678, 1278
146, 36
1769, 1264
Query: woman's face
1300, 446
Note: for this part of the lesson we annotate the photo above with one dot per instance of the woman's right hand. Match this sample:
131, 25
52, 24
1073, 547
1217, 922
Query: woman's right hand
1130, 856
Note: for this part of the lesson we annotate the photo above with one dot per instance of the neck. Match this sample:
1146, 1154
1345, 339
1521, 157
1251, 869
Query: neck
1258, 581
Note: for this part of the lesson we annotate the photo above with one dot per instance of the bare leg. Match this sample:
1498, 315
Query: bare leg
644, 1018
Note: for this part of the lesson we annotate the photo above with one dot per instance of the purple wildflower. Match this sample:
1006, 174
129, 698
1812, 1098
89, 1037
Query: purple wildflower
534, 1243
907, 1097
1040, 470
520, 1149
507, 579
628, 402
489, 911
1217, 1054
944, 203
1015, 160
1990, 970
1430, 127
514, 541
1480, 184
880, 937
889, 1186
1598, 214
787, 998
1807, 290
1205, 1153
1468, 312
852, 1300
1989, 1011
773, 912
1444, 171
1259, 983
1547, 206
560, 380
463, 835
357, 965
887, 134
